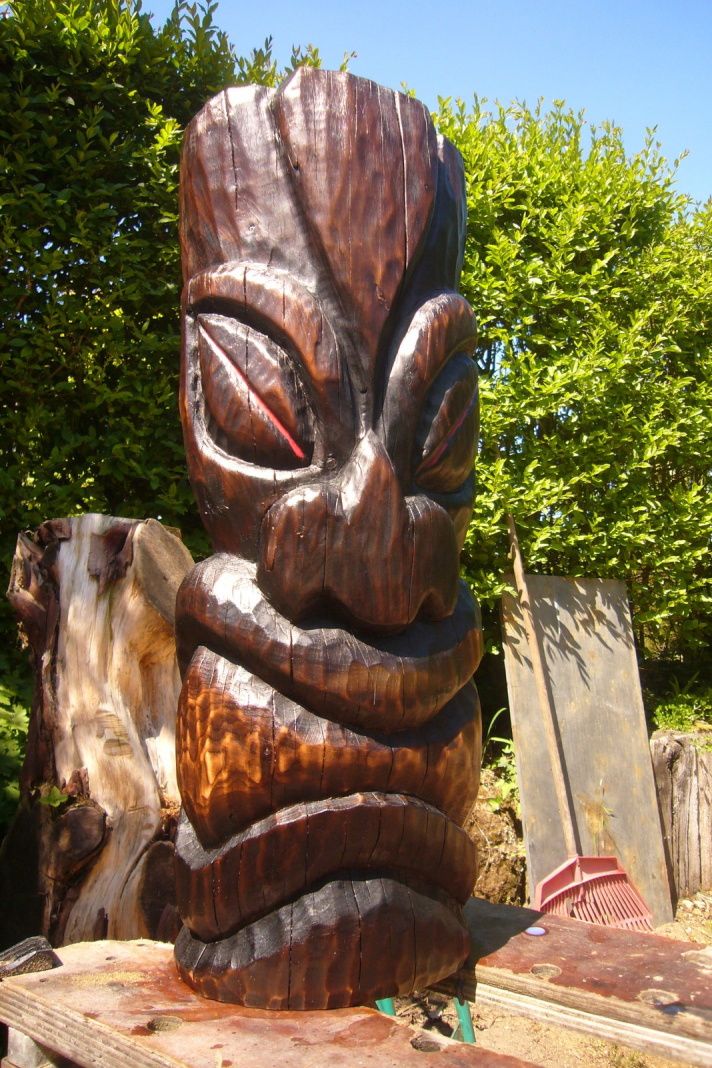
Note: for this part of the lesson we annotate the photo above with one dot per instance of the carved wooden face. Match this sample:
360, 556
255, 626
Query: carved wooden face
329, 398
328, 731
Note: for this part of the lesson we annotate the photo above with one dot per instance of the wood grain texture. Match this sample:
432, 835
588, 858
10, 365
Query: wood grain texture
282, 856
291, 958
244, 750
122, 1005
96, 597
369, 682
328, 733
585, 631
640, 989
333, 128
682, 764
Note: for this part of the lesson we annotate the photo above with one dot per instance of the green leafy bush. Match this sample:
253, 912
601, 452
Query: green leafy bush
499, 757
94, 100
14, 704
592, 282
685, 708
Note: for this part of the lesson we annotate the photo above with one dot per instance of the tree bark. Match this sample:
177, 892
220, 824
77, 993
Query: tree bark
90, 852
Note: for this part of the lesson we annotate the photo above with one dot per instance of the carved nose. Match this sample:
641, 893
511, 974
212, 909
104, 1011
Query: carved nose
354, 543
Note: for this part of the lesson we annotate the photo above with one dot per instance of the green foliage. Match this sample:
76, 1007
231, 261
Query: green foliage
686, 708
498, 755
506, 785
592, 282
14, 703
94, 100
51, 795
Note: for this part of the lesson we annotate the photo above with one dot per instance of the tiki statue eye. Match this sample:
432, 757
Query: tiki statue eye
255, 404
447, 437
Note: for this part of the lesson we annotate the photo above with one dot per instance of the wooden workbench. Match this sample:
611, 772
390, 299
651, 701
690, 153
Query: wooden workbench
122, 1005
642, 990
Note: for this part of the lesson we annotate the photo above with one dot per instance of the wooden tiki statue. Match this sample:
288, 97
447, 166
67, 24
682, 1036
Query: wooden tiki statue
328, 738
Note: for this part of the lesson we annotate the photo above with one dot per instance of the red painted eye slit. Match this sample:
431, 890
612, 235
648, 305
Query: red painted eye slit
255, 398
444, 445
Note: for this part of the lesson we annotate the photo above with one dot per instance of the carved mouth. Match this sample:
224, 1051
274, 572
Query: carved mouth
385, 871
323, 778
391, 683
244, 751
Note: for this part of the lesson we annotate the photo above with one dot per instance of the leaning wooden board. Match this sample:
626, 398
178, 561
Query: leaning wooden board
586, 638
642, 990
122, 1005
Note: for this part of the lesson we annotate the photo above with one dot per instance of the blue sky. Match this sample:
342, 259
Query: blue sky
638, 63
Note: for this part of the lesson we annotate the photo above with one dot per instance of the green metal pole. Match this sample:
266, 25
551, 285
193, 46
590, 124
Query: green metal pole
465, 1020
386, 1005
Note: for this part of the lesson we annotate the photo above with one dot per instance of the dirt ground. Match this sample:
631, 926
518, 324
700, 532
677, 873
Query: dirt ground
693, 920
537, 1043
496, 832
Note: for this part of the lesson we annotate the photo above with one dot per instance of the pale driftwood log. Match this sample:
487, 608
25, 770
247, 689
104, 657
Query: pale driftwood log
95, 598
683, 776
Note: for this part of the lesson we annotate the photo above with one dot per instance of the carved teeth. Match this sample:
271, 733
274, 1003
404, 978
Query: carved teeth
289, 959
246, 750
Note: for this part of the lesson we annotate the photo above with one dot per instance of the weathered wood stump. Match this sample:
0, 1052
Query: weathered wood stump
683, 775
95, 597
328, 735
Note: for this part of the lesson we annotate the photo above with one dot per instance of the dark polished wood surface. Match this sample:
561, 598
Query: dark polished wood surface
328, 736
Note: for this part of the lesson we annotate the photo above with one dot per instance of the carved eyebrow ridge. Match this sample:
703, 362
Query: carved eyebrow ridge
264, 408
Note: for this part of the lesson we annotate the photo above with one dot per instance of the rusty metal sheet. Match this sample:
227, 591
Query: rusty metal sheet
585, 633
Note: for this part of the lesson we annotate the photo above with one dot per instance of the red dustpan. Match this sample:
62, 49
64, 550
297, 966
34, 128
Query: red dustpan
595, 889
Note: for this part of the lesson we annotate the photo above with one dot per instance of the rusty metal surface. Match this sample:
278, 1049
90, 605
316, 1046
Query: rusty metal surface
124, 1001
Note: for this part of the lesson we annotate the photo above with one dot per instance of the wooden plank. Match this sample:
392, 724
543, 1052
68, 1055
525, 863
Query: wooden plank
121, 1005
585, 631
643, 990
683, 775
688, 1050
